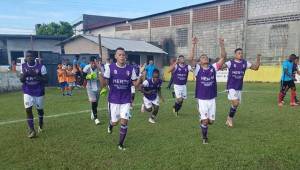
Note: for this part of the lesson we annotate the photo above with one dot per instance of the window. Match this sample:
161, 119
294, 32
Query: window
182, 37
278, 37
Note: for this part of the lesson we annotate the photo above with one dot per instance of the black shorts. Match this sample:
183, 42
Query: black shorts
287, 84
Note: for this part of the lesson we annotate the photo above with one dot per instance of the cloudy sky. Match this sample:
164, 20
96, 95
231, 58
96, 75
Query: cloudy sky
20, 16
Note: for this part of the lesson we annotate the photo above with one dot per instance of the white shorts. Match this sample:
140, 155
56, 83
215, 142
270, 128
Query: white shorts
235, 95
207, 109
148, 103
118, 111
180, 91
132, 89
37, 102
93, 95
71, 84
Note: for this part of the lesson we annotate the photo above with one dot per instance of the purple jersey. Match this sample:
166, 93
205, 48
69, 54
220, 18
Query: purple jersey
180, 74
206, 82
136, 69
32, 86
120, 82
149, 85
236, 74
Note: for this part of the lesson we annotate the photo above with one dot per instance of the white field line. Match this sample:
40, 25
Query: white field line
104, 109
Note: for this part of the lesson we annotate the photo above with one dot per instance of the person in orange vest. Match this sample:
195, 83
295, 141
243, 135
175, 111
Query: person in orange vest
71, 79
61, 76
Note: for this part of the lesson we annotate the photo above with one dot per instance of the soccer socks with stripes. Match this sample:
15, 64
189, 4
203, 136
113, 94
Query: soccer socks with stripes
232, 111
204, 129
41, 117
281, 96
123, 132
94, 109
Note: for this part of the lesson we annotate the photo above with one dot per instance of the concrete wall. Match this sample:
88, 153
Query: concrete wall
81, 46
9, 82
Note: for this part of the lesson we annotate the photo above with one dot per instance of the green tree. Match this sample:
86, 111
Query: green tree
61, 28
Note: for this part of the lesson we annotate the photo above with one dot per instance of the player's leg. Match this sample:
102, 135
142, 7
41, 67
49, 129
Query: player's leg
114, 115
203, 111
62, 88
39, 104
124, 115
155, 106
292, 86
284, 87
180, 93
28, 103
93, 98
234, 96
132, 96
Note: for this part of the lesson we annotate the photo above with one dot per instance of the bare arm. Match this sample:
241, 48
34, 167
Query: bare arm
172, 66
223, 53
192, 52
257, 64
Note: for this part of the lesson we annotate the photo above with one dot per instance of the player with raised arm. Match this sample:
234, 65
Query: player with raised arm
34, 77
206, 87
180, 71
237, 68
119, 77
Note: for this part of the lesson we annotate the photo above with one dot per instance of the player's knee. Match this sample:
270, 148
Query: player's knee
235, 103
204, 122
148, 109
114, 123
124, 121
29, 110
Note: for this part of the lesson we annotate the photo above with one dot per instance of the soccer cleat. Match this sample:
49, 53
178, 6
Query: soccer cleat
204, 141
92, 115
31, 134
151, 120
294, 104
109, 130
143, 108
97, 121
121, 147
40, 130
229, 122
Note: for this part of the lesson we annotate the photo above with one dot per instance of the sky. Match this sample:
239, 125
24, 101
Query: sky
20, 16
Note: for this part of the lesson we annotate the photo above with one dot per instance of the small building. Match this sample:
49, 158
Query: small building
136, 50
15, 46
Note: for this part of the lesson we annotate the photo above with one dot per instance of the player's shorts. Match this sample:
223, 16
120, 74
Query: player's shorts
37, 102
118, 111
148, 103
180, 91
132, 89
63, 85
287, 84
235, 95
71, 84
93, 95
207, 109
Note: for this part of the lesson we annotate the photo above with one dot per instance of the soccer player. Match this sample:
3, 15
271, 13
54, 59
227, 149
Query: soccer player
287, 81
91, 74
62, 80
71, 79
119, 77
206, 87
151, 88
180, 71
237, 68
33, 76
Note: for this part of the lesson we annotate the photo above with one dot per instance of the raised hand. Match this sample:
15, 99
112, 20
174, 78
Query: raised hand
194, 40
221, 42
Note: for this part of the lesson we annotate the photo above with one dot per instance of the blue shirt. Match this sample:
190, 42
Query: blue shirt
149, 69
287, 65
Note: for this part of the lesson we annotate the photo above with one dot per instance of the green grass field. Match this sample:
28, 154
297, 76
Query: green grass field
264, 136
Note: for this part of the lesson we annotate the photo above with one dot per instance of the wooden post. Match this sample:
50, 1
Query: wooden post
100, 46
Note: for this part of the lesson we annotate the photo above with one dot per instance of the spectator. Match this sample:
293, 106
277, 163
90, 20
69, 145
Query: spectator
149, 69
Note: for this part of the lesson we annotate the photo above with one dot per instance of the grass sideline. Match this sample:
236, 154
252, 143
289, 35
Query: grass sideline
264, 137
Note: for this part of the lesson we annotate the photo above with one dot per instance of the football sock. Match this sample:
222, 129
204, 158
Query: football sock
41, 117
293, 95
30, 119
94, 109
110, 126
281, 96
204, 129
232, 111
123, 132
155, 111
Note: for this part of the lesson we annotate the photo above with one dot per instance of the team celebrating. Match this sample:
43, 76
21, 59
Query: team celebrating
121, 80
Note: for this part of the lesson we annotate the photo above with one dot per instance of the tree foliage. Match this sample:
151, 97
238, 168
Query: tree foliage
61, 28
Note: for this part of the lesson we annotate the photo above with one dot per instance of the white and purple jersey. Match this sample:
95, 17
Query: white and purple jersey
120, 82
153, 87
236, 73
180, 74
32, 86
206, 82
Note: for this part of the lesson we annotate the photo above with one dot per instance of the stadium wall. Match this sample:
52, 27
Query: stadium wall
9, 82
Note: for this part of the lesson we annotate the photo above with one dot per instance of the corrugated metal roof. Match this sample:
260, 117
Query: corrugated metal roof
128, 45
